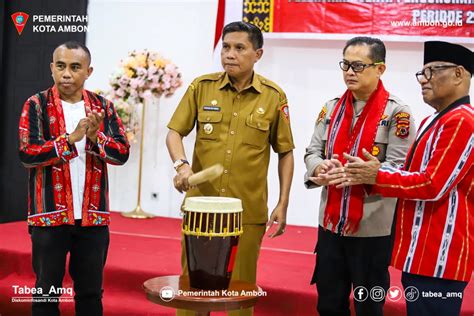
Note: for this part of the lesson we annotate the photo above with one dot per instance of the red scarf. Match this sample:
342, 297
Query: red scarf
344, 207
55, 110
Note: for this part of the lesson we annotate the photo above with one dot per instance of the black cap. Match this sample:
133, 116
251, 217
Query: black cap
453, 53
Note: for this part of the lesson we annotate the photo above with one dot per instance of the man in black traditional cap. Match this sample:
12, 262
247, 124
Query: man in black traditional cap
434, 227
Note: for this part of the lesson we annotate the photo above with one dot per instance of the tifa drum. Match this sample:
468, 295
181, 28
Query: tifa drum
211, 227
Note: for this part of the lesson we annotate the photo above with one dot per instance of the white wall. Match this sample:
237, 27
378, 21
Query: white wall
183, 30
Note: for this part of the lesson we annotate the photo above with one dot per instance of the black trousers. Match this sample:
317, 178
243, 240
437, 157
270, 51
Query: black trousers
436, 297
87, 247
343, 263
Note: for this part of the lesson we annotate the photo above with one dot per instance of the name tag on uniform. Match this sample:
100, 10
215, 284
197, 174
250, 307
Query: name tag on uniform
212, 108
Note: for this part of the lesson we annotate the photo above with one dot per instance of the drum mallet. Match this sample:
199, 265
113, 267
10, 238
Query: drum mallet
207, 174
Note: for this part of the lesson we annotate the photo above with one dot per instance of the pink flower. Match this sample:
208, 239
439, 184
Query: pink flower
119, 92
124, 80
142, 72
146, 94
133, 93
135, 83
151, 71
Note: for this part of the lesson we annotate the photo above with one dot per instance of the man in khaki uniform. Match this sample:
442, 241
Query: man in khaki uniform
358, 257
238, 114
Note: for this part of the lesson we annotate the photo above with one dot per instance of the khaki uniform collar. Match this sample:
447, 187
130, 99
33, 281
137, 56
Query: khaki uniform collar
255, 84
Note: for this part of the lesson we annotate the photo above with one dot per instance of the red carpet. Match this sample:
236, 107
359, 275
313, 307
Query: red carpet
143, 249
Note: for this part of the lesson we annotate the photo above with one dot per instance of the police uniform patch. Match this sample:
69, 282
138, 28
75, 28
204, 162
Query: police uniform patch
286, 112
375, 150
402, 125
322, 114
384, 120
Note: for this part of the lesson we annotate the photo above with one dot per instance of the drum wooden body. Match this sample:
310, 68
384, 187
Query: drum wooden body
211, 227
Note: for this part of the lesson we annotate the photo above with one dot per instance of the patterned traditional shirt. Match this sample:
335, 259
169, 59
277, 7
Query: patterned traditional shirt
435, 219
44, 150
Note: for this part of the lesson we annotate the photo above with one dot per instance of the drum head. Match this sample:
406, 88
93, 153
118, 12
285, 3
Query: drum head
212, 204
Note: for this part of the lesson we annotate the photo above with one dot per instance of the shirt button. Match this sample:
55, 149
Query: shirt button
232, 132
235, 113
226, 171
223, 190
229, 151
238, 96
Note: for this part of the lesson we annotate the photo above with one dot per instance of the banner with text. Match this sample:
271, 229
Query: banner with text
397, 18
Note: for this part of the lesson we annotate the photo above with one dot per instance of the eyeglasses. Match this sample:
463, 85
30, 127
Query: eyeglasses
427, 73
356, 66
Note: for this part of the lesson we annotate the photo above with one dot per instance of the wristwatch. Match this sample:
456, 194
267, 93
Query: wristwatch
178, 163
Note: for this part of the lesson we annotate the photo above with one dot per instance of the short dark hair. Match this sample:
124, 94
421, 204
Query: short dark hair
377, 47
254, 33
76, 45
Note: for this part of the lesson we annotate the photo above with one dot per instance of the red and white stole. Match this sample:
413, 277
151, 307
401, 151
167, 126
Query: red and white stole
57, 127
56, 114
344, 207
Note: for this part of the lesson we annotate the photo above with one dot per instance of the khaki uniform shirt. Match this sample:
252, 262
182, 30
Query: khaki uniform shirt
395, 134
236, 130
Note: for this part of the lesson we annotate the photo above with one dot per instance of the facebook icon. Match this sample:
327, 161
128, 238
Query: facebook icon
360, 294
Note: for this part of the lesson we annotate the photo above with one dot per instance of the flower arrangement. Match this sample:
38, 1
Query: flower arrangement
140, 76
127, 113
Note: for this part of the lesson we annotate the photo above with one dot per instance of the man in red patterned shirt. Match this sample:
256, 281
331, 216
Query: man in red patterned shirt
434, 220
67, 137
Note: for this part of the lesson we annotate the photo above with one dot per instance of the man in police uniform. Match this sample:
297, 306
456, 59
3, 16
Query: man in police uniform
434, 216
238, 114
353, 246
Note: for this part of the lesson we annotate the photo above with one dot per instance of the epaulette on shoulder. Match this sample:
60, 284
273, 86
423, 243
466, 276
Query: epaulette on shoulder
332, 102
208, 77
271, 84
396, 99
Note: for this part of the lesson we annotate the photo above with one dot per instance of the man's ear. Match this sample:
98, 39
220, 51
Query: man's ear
259, 54
381, 68
459, 74
89, 71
